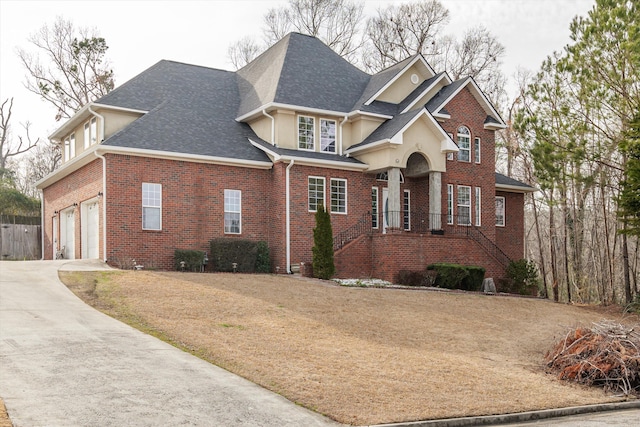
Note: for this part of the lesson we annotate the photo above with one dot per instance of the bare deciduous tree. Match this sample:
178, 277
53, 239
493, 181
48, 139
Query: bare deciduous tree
68, 68
243, 51
8, 148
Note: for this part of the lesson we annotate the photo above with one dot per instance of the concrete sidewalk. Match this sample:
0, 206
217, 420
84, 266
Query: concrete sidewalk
63, 363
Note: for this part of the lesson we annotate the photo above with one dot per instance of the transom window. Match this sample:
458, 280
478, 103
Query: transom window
306, 131
464, 144
338, 195
500, 210
464, 205
151, 206
232, 211
316, 193
328, 135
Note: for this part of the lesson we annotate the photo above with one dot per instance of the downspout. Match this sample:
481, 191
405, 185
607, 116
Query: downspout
342, 134
101, 120
288, 218
42, 229
273, 126
104, 204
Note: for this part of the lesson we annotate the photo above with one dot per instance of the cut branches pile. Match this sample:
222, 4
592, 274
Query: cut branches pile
606, 355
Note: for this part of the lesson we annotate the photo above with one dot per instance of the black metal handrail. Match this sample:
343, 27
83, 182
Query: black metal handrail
351, 233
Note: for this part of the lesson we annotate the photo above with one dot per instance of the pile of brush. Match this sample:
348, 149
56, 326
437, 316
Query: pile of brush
607, 355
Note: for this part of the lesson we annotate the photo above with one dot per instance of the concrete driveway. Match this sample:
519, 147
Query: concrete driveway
62, 363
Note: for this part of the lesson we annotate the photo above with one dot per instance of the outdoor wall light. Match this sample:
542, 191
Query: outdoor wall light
55, 212
75, 205
100, 194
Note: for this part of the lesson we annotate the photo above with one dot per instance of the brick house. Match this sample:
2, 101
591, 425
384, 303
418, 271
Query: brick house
404, 160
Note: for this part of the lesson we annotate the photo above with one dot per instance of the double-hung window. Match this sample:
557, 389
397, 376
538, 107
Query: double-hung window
338, 195
327, 136
449, 203
476, 150
464, 144
87, 135
478, 205
464, 205
90, 132
316, 193
500, 211
406, 211
94, 130
374, 207
151, 206
232, 211
306, 130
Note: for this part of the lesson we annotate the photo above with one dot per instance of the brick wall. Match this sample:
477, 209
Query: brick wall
510, 238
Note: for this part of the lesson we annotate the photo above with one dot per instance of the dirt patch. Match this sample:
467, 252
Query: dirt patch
357, 355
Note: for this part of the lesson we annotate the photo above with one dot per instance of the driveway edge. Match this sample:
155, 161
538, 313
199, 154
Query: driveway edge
520, 417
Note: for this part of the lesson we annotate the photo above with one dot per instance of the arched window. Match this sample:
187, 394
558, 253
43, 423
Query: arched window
464, 144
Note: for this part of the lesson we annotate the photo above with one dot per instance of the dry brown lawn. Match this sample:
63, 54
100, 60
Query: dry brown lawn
357, 355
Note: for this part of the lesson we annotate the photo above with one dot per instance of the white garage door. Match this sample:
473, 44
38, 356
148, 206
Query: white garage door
90, 230
67, 233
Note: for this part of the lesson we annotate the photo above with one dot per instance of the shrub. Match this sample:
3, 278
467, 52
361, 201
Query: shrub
263, 263
522, 277
227, 251
192, 259
456, 276
323, 266
416, 278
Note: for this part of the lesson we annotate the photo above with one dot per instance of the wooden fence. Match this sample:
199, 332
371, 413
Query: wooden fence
20, 242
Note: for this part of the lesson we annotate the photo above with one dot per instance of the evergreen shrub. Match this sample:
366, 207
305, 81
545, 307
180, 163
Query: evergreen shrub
456, 276
249, 256
193, 259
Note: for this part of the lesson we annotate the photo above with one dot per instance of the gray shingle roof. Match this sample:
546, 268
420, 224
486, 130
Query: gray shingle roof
378, 80
308, 154
443, 94
300, 70
505, 180
186, 114
389, 128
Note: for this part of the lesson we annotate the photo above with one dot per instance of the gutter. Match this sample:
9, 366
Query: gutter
288, 218
273, 126
104, 204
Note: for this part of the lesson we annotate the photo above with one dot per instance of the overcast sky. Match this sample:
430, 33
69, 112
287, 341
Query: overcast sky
140, 33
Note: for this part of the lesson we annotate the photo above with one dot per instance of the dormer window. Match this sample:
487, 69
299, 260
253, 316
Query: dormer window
464, 144
327, 136
69, 147
306, 129
90, 132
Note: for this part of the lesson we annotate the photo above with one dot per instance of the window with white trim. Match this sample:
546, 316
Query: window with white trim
72, 146
67, 149
338, 195
464, 144
449, 203
327, 136
464, 205
374, 207
87, 135
500, 211
94, 130
316, 193
450, 155
478, 205
306, 130
232, 211
151, 206
406, 211
476, 149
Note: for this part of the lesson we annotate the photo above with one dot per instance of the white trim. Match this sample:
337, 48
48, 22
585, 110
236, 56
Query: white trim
346, 211
81, 160
406, 213
477, 151
478, 206
424, 92
450, 205
486, 102
417, 58
514, 188
225, 211
324, 192
335, 136
308, 110
80, 116
504, 212
458, 205
332, 164
377, 212
313, 142
150, 206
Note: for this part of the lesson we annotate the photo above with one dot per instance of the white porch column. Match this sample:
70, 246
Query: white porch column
435, 200
394, 200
